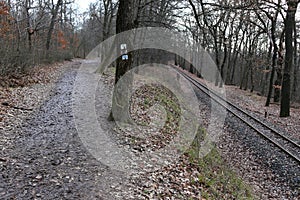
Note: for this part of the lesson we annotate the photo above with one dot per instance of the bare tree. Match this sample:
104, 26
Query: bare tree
286, 84
54, 12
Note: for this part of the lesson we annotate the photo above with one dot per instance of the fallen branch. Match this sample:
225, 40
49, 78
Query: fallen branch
15, 107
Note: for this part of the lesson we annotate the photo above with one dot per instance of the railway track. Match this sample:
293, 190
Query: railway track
287, 145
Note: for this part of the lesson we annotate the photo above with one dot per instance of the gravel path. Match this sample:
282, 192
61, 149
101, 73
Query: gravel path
45, 158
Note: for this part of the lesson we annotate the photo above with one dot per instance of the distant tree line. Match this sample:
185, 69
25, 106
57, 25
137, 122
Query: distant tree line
34, 32
254, 43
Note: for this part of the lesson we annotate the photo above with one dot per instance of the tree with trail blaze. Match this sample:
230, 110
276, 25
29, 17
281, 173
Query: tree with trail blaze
125, 18
124, 23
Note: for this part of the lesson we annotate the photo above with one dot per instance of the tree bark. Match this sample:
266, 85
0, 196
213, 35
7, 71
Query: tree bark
274, 59
124, 23
295, 67
278, 81
267, 75
54, 13
29, 29
286, 84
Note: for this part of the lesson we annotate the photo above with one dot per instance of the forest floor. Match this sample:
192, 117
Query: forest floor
256, 104
42, 156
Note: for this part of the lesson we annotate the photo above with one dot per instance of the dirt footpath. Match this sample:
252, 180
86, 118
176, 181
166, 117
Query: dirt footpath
43, 157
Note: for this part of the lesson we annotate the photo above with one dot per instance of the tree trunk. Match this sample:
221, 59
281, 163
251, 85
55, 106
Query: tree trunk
279, 68
223, 66
124, 23
244, 74
286, 84
271, 81
266, 76
29, 29
296, 67
251, 79
54, 13
274, 58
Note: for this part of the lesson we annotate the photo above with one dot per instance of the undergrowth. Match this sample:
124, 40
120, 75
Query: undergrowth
216, 177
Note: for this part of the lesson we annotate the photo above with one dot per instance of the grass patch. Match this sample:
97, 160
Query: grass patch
216, 178
109, 71
148, 95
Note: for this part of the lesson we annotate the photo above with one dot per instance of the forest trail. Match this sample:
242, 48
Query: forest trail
46, 159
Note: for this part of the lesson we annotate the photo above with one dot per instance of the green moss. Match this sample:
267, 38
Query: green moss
110, 71
217, 179
157, 94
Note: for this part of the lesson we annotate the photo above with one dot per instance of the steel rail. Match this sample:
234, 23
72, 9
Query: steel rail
208, 92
